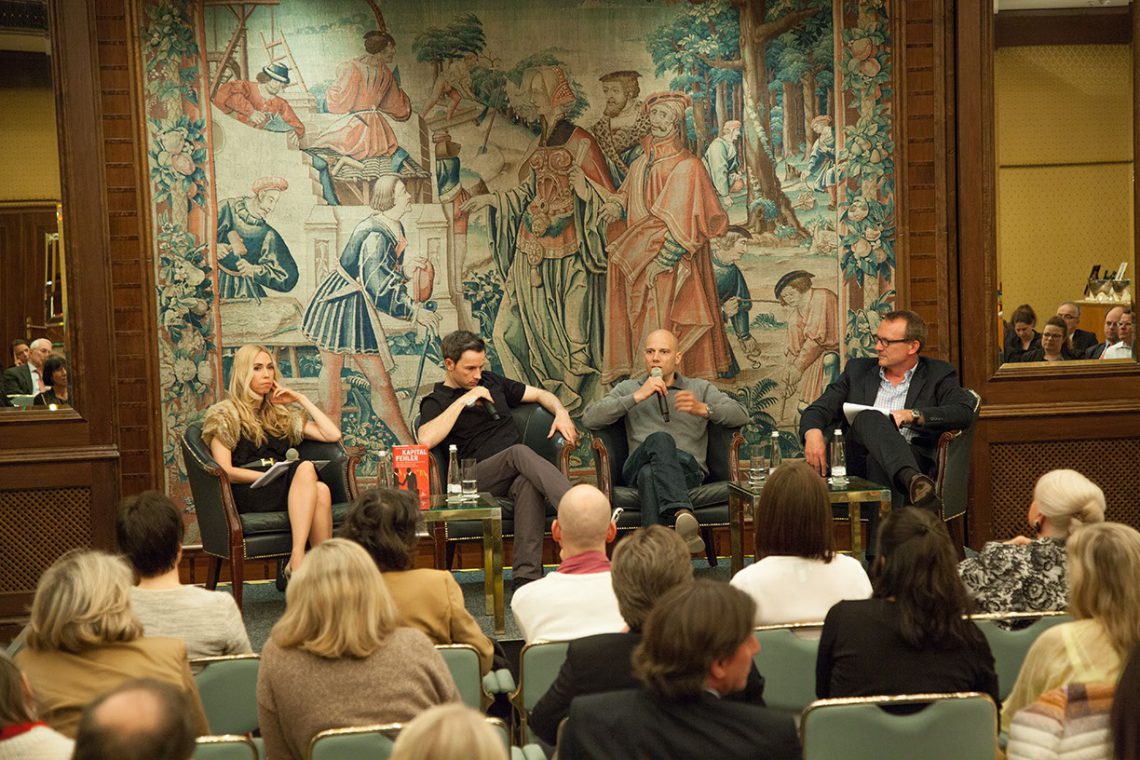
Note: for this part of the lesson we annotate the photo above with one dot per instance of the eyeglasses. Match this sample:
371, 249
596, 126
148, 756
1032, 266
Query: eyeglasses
881, 341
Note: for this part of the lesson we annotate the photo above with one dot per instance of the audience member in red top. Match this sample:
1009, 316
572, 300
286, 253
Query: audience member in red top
22, 736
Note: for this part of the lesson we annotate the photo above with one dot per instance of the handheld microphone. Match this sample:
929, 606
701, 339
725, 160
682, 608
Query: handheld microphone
292, 455
490, 406
662, 403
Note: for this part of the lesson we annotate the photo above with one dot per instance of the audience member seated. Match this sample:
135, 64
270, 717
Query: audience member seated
1125, 719
647, 563
1024, 336
26, 379
383, 521
1054, 344
20, 351
56, 391
578, 599
1104, 597
1069, 723
337, 658
449, 732
1111, 334
149, 532
258, 420
143, 719
798, 574
1122, 349
22, 736
1028, 574
667, 450
697, 648
84, 640
1079, 340
910, 637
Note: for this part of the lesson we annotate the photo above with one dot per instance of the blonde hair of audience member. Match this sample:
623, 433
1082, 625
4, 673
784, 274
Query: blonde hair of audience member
1104, 581
336, 604
583, 523
449, 732
257, 415
1065, 500
83, 600
646, 564
794, 516
16, 701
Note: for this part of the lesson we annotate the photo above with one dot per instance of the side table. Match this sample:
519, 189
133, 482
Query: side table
486, 509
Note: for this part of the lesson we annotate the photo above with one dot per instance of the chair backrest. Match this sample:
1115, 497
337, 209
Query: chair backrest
539, 664
463, 662
787, 662
228, 687
717, 456
1009, 647
23, 400
372, 742
950, 727
954, 451
207, 492
225, 747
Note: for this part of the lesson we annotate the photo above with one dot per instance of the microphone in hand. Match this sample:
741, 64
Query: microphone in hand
662, 402
292, 455
490, 406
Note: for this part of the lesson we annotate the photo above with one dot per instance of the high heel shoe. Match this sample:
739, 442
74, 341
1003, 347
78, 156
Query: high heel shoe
284, 573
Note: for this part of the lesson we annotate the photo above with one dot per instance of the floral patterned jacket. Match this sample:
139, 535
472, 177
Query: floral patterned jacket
1007, 578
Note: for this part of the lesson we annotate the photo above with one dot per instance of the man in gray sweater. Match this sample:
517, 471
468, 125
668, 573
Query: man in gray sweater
666, 422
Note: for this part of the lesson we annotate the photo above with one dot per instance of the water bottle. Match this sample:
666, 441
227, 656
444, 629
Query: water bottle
838, 461
454, 481
384, 476
774, 455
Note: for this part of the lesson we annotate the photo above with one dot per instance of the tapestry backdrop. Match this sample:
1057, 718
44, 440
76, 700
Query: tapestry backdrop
343, 181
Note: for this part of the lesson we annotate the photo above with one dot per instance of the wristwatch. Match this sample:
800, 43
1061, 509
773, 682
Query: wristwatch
916, 417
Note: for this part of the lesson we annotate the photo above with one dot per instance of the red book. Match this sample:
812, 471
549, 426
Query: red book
410, 467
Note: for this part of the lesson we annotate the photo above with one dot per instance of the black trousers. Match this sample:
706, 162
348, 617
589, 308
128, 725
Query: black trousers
663, 475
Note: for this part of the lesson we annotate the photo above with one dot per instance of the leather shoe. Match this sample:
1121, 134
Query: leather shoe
689, 529
284, 573
923, 494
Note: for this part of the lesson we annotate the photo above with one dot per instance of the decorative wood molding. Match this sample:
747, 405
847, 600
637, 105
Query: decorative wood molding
1068, 409
1066, 26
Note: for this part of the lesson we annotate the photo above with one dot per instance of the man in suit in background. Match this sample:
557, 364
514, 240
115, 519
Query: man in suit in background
26, 379
1080, 340
1111, 333
697, 647
20, 351
915, 400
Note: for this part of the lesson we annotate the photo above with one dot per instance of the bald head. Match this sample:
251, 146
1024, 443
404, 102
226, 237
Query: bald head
140, 719
39, 351
661, 353
1111, 322
583, 523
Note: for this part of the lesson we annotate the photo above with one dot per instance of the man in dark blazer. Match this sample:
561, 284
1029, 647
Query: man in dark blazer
1111, 332
25, 379
916, 399
646, 564
697, 647
1080, 341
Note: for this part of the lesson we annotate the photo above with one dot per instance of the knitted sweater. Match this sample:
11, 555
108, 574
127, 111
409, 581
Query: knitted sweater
40, 743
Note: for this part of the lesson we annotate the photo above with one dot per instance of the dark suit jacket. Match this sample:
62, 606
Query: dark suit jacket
601, 663
18, 380
934, 391
1082, 341
1096, 351
636, 725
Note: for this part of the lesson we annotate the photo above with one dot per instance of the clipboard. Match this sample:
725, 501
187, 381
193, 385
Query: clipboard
280, 468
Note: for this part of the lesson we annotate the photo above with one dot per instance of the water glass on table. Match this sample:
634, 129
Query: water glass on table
757, 468
469, 480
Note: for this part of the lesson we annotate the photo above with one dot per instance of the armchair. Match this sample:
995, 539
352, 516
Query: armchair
954, 449
228, 535
710, 499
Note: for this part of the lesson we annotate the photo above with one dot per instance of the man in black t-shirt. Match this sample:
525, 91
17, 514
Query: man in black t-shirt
469, 409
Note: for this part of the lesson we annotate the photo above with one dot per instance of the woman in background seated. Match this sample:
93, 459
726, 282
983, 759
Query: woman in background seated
798, 575
1125, 718
337, 658
55, 378
910, 637
1028, 574
1023, 337
1069, 723
259, 420
450, 732
22, 736
1104, 597
383, 521
84, 640
1054, 343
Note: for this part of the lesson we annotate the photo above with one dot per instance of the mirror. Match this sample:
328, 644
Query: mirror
33, 270
1063, 120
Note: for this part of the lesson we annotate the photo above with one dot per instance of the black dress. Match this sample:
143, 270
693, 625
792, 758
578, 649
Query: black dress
272, 497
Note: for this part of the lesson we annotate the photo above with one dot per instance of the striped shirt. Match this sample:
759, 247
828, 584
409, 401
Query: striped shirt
891, 397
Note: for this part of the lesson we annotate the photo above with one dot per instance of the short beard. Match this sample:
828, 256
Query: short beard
614, 109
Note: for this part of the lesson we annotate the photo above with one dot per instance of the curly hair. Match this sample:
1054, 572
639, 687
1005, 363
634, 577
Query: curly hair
383, 521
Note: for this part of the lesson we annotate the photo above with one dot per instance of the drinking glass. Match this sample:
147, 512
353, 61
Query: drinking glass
757, 467
469, 480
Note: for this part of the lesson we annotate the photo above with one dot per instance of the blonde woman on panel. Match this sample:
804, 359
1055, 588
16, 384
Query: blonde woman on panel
450, 732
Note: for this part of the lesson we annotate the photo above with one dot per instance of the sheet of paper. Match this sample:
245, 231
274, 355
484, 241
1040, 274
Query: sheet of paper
851, 410
279, 468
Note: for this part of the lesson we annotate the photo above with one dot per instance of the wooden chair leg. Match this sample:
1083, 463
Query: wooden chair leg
213, 572
237, 574
710, 545
449, 551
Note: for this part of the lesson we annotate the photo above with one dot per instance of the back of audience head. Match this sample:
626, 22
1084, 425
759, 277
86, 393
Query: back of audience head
1125, 719
143, 719
646, 564
918, 568
83, 600
149, 532
794, 516
16, 703
336, 604
1104, 580
583, 523
1067, 500
449, 732
383, 521
697, 636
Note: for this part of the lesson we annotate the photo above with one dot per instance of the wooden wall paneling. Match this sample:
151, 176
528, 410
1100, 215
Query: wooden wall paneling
22, 228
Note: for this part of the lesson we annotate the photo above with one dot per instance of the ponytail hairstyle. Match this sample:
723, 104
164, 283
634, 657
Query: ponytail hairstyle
918, 568
1069, 500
